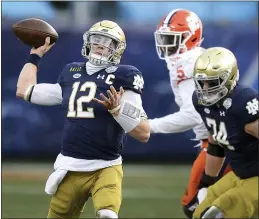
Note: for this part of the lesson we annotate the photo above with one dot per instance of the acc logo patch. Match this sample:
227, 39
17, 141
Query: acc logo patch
77, 75
206, 110
227, 103
111, 69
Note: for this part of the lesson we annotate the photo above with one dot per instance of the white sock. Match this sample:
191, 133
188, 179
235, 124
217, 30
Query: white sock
106, 213
212, 212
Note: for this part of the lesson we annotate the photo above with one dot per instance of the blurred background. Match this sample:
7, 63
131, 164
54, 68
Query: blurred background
156, 173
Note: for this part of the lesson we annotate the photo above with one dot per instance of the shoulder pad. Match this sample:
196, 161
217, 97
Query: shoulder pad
128, 70
242, 94
130, 78
245, 103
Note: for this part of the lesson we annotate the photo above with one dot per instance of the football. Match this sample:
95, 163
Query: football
33, 32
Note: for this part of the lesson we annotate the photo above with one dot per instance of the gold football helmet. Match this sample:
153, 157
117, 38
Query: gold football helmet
104, 43
215, 75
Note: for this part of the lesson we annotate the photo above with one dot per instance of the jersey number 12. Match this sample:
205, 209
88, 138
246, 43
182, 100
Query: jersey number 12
79, 112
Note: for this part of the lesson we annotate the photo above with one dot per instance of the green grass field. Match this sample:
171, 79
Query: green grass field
149, 191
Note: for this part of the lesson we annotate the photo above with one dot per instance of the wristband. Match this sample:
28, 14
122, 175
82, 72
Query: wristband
34, 59
115, 109
206, 180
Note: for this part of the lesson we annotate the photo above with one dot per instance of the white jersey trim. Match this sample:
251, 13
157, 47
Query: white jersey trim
83, 165
63, 164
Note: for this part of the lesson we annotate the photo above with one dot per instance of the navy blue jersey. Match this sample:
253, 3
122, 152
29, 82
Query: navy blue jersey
90, 131
226, 124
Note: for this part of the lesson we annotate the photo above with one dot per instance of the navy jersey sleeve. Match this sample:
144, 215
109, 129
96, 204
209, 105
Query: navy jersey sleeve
73, 67
61, 75
195, 102
248, 105
130, 78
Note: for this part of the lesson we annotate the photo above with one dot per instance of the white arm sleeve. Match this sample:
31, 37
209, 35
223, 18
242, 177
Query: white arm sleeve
186, 118
44, 94
131, 111
132, 96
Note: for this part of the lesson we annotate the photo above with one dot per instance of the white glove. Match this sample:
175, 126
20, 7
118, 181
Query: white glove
202, 194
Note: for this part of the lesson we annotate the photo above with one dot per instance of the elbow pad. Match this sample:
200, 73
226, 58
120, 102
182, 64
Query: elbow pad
215, 150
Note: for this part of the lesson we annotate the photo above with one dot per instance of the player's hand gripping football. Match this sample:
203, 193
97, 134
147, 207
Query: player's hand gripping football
112, 103
40, 51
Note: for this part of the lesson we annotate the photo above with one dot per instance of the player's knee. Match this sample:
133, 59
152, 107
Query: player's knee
211, 195
58, 209
106, 213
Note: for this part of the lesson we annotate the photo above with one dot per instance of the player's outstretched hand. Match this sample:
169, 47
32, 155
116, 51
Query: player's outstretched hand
113, 100
40, 51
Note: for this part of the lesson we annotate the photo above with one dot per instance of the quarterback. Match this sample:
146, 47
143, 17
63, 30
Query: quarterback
230, 112
178, 39
90, 162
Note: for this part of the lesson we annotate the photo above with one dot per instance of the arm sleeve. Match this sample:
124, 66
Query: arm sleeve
45, 94
186, 118
132, 96
135, 98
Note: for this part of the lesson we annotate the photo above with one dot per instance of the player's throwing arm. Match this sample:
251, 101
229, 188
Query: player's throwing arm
130, 116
